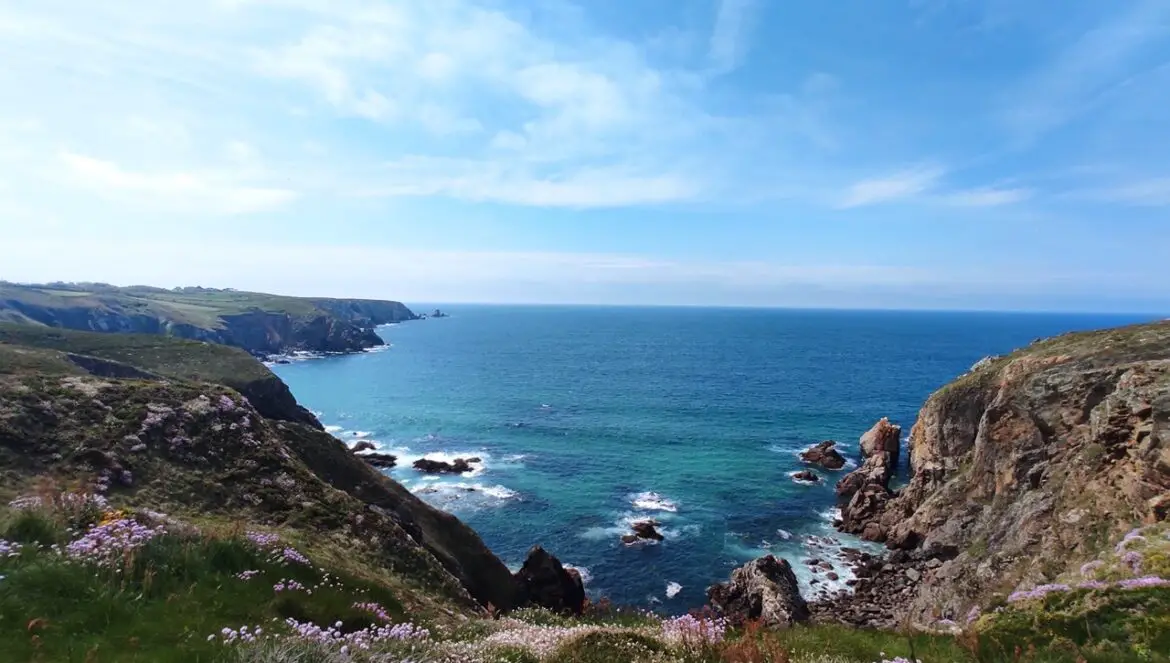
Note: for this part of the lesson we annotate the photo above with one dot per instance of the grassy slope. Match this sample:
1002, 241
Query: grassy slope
170, 357
201, 308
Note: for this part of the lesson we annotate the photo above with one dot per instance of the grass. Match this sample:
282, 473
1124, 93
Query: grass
164, 355
160, 602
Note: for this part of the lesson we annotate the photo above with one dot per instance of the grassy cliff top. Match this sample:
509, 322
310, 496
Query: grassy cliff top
28, 348
201, 307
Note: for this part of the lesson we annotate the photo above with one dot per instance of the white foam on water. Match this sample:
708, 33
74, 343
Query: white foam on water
784, 534
672, 589
334, 429
455, 494
652, 501
586, 576
360, 434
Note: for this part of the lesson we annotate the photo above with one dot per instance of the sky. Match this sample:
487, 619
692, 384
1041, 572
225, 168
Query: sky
956, 154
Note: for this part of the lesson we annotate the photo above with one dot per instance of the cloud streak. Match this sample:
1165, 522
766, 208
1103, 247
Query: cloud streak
730, 36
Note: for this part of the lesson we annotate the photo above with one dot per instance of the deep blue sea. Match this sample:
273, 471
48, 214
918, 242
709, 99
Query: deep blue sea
589, 418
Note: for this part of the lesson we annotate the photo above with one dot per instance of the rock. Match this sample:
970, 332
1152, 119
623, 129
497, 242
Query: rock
380, 460
763, 590
933, 563
913, 575
363, 446
807, 476
824, 454
832, 576
458, 466
647, 529
630, 539
865, 491
545, 582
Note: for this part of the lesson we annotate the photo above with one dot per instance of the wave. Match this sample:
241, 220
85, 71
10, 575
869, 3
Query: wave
672, 589
334, 429
625, 525
452, 495
651, 501
407, 457
802, 482
361, 434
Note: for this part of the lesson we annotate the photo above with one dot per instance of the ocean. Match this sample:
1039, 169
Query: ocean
588, 418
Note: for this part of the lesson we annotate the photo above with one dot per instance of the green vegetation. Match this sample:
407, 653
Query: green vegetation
162, 355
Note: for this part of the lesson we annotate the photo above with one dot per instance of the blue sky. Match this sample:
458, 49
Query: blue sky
900, 153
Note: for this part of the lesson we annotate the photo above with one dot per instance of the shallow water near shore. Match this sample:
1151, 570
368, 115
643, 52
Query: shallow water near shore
588, 418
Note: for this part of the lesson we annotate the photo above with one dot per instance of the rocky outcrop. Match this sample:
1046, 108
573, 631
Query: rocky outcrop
865, 491
643, 530
824, 454
1030, 464
764, 590
546, 583
380, 460
457, 466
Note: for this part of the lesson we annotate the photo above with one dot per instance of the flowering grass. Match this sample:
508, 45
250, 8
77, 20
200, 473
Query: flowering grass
135, 592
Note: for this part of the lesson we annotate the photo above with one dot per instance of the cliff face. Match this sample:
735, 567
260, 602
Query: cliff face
192, 445
259, 323
1030, 464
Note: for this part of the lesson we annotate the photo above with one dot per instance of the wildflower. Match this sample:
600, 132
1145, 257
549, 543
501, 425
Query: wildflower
104, 544
688, 629
375, 609
247, 575
226, 404
1093, 585
1131, 537
9, 549
1134, 559
1089, 567
1037, 593
1142, 583
263, 539
974, 614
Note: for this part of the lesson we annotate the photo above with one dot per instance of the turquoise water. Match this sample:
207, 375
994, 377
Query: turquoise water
587, 418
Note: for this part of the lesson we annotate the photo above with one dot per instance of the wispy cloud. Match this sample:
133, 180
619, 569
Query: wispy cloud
987, 197
1154, 192
1078, 74
179, 192
730, 38
889, 188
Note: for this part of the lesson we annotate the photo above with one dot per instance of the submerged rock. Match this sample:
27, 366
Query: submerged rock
763, 590
824, 454
546, 583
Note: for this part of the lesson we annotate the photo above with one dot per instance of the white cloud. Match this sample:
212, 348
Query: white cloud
890, 188
176, 192
730, 36
987, 197
1153, 192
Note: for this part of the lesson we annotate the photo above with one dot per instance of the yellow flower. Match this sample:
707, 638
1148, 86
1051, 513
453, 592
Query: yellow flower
110, 516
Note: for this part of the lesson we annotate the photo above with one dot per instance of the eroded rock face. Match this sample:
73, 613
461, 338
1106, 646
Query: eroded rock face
824, 454
763, 590
1031, 464
545, 582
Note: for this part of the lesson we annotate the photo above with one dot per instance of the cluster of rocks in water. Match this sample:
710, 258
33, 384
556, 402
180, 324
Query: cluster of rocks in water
642, 531
457, 466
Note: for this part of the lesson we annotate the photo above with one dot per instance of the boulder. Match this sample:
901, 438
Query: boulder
364, 445
807, 476
546, 583
647, 529
763, 590
458, 466
824, 454
884, 437
380, 460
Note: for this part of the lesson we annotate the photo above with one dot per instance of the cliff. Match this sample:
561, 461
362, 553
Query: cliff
206, 430
1029, 466
260, 323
